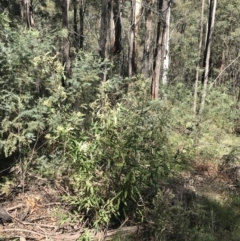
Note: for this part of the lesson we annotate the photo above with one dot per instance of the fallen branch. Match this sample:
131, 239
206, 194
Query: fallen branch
50, 204
15, 207
22, 230
40, 225
124, 231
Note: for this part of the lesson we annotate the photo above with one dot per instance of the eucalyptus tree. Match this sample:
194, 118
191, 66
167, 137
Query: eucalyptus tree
27, 12
134, 31
199, 57
79, 7
147, 52
82, 7
211, 24
110, 30
163, 9
166, 38
75, 22
65, 41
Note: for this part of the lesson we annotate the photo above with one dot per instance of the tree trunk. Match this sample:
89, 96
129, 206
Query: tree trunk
147, 53
222, 67
199, 57
207, 39
104, 30
81, 27
163, 6
75, 23
27, 12
212, 13
65, 42
166, 46
117, 10
134, 31
110, 30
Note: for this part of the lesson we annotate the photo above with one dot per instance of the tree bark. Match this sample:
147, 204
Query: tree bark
134, 31
65, 42
166, 46
206, 61
163, 6
118, 26
104, 29
199, 57
110, 30
147, 53
81, 27
27, 12
212, 13
75, 23
104, 32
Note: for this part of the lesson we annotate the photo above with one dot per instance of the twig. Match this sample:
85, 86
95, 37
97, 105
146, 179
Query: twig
40, 218
124, 222
49, 204
81, 228
26, 213
40, 225
42, 231
35, 176
15, 207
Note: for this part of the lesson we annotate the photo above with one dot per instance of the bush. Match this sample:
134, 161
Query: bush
121, 156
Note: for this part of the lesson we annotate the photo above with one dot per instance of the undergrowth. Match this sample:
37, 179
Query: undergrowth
112, 145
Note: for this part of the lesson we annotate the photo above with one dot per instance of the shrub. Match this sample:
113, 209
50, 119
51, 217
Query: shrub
120, 157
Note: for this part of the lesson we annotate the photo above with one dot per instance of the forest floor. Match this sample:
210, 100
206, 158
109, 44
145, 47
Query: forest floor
39, 213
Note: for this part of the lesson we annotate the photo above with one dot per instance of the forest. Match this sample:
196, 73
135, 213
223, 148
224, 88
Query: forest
120, 120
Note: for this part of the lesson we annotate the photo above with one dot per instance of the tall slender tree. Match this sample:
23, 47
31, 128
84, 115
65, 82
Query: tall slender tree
211, 23
110, 30
75, 22
199, 57
81, 25
166, 49
27, 12
163, 6
147, 53
134, 31
65, 41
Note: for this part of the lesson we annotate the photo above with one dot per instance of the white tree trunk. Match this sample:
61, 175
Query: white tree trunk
163, 6
166, 47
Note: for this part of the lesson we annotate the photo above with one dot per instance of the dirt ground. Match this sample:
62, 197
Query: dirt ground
37, 212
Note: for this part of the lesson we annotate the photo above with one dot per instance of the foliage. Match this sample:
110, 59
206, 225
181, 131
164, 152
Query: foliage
112, 144
25, 76
204, 220
122, 155
221, 108
113, 147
